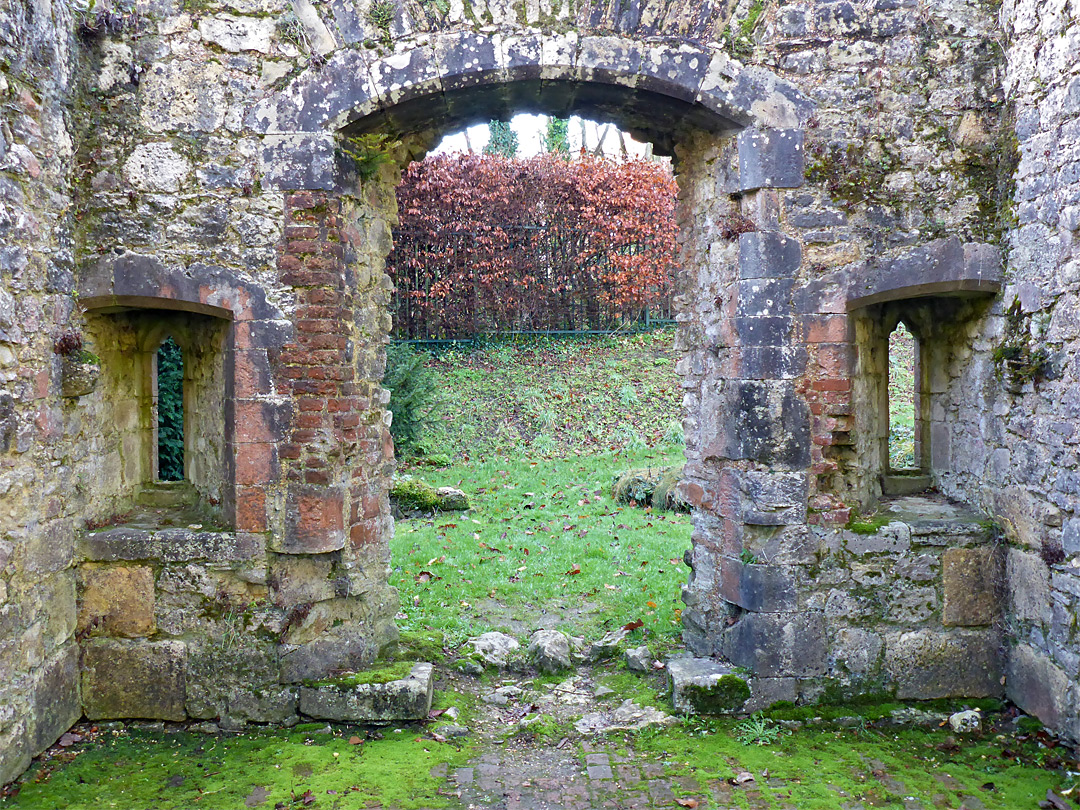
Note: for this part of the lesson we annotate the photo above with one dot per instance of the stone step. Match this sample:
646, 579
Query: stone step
167, 494
905, 484
706, 686
349, 699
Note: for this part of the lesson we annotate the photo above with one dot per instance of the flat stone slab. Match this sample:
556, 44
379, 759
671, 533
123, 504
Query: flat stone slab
407, 698
705, 686
629, 716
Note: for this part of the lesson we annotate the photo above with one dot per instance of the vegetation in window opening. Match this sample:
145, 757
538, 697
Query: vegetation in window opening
170, 412
902, 347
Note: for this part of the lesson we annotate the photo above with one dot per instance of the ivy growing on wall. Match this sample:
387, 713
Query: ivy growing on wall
170, 412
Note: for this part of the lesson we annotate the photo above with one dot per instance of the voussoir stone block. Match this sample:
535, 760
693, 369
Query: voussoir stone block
407, 698
116, 600
970, 578
134, 679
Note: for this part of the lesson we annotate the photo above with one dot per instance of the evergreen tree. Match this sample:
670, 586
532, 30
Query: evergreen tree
557, 137
503, 140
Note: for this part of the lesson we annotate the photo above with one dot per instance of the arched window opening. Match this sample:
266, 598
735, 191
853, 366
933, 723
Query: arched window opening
170, 411
903, 400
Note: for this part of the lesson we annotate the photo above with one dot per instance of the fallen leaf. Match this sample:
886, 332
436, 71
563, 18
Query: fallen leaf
574, 569
634, 625
355, 741
691, 803
424, 576
651, 604
657, 664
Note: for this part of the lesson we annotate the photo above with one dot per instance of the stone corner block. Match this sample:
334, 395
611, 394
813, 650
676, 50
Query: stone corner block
56, 700
770, 158
705, 686
116, 600
407, 698
970, 577
768, 255
134, 679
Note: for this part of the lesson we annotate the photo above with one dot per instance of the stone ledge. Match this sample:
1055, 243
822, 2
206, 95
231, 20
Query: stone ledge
407, 698
169, 545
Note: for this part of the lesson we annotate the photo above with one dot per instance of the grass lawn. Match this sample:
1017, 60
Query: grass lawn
537, 431
544, 544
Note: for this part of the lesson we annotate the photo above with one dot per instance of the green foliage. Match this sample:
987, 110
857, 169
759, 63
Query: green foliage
381, 15
290, 29
170, 412
412, 387
758, 730
503, 140
369, 152
557, 136
555, 396
1017, 361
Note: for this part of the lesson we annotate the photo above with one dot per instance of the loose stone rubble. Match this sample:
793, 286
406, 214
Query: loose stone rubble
843, 167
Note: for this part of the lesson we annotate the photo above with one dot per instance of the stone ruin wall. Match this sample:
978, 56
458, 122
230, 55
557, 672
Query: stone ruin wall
165, 185
43, 447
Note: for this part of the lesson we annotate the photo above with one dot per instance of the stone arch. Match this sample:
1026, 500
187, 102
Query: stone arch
660, 90
736, 135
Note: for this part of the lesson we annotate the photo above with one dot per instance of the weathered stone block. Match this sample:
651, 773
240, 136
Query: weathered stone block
768, 255
116, 600
1042, 689
759, 588
317, 659
264, 705
771, 158
51, 550
55, 700
407, 698
705, 686
895, 538
1027, 580
315, 521
970, 577
925, 664
302, 580
777, 644
134, 679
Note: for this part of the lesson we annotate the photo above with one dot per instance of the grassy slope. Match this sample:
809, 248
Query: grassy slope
537, 432
546, 398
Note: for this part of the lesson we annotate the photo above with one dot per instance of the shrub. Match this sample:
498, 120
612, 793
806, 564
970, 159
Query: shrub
412, 389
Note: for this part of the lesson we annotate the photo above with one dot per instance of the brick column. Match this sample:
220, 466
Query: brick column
335, 453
